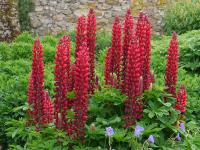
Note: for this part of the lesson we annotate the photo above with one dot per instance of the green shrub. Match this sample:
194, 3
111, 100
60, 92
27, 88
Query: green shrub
182, 16
5, 51
24, 37
21, 50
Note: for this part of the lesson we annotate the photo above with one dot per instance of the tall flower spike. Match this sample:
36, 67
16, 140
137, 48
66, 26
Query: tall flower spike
36, 84
116, 51
61, 73
181, 99
91, 41
128, 31
172, 66
147, 76
81, 73
133, 107
81, 34
143, 31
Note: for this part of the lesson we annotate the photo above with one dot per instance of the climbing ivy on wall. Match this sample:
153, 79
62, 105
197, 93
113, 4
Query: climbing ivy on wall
24, 7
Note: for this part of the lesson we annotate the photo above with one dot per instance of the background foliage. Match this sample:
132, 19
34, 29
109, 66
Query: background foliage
105, 106
182, 16
24, 7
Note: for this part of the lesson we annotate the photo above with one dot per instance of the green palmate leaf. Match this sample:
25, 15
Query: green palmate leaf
151, 114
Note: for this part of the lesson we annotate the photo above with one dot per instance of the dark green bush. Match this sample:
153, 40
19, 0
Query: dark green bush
182, 16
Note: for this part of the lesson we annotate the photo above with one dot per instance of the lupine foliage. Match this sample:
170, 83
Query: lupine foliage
105, 108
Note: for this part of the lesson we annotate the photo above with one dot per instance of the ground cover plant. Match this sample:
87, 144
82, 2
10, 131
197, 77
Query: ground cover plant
74, 104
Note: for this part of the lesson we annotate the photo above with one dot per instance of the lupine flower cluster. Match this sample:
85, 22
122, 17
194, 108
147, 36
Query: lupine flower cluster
78, 77
172, 75
124, 68
127, 67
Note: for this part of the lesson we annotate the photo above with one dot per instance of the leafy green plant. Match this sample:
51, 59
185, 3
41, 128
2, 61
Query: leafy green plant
105, 106
182, 16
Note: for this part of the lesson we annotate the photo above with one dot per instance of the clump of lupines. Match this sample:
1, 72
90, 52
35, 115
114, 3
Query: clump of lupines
61, 73
128, 31
91, 43
181, 99
81, 34
36, 95
81, 86
116, 54
143, 32
133, 84
172, 66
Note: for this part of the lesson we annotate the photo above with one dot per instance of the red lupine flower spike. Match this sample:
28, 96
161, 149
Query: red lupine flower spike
128, 31
181, 99
172, 66
81, 34
81, 73
36, 96
61, 72
91, 42
143, 31
133, 84
116, 55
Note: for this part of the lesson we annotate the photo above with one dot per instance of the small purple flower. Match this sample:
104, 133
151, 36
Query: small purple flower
138, 130
109, 131
178, 137
182, 126
151, 139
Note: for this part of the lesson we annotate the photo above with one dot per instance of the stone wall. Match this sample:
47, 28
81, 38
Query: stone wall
57, 16
9, 27
54, 16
